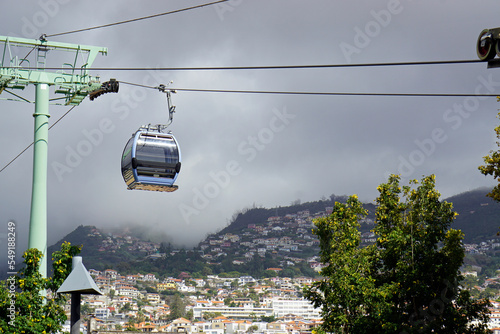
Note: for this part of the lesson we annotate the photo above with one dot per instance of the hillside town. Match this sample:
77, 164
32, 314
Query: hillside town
288, 238
212, 305
224, 303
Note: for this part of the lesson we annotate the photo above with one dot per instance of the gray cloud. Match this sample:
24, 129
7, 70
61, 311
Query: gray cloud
334, 144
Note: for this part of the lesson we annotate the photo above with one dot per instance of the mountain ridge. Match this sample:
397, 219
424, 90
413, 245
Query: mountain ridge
130, 249
478, 215
477, 218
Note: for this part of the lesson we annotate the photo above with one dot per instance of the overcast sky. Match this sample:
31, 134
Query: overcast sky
240, 150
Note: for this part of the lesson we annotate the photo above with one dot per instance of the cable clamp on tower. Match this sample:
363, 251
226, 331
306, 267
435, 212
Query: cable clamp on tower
111, 86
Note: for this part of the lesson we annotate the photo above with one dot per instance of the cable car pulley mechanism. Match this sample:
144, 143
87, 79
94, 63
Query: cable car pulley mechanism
488, 45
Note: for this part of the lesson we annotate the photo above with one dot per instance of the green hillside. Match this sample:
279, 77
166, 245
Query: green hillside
478, 215
92, 240
259, 216
479, 219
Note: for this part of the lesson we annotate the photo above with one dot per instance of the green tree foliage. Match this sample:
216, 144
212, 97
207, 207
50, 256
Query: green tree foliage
270, 318
177, 307
86, 309
27, 310
348, 282
405, 283
211, 315
130, 326
190, 314
492, 166
252, 329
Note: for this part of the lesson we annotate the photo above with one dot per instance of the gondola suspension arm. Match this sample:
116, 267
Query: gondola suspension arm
171, 108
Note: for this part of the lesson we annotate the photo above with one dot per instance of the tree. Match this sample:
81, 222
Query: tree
190, 314
252, 329
112, 293
132, 321
23, 308
408, 282
211, 315
419, 259
271, 318
86, 309
206, 271
141, 317
344, 292
492, 166
165, 248
177, 307
125, 308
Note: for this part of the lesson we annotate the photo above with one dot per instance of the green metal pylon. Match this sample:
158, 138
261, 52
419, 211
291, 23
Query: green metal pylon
73, 82
38, 216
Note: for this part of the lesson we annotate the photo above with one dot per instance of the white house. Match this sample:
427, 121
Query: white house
297, 306
128, 291
245, 279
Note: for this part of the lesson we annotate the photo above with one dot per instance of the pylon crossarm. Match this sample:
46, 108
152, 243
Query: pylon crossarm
72, 80
92, 51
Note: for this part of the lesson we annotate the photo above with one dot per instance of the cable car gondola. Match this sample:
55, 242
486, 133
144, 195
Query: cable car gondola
151, 160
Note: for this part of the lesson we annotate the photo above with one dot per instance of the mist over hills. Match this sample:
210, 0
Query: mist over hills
478, 218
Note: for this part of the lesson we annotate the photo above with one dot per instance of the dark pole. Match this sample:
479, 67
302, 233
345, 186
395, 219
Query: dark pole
77, 283
75, 312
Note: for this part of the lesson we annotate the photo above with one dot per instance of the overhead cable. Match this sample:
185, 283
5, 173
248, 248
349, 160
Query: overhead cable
27, 147
136, 19
17, 156
285, 67
236, 91
268, 67
334, 93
